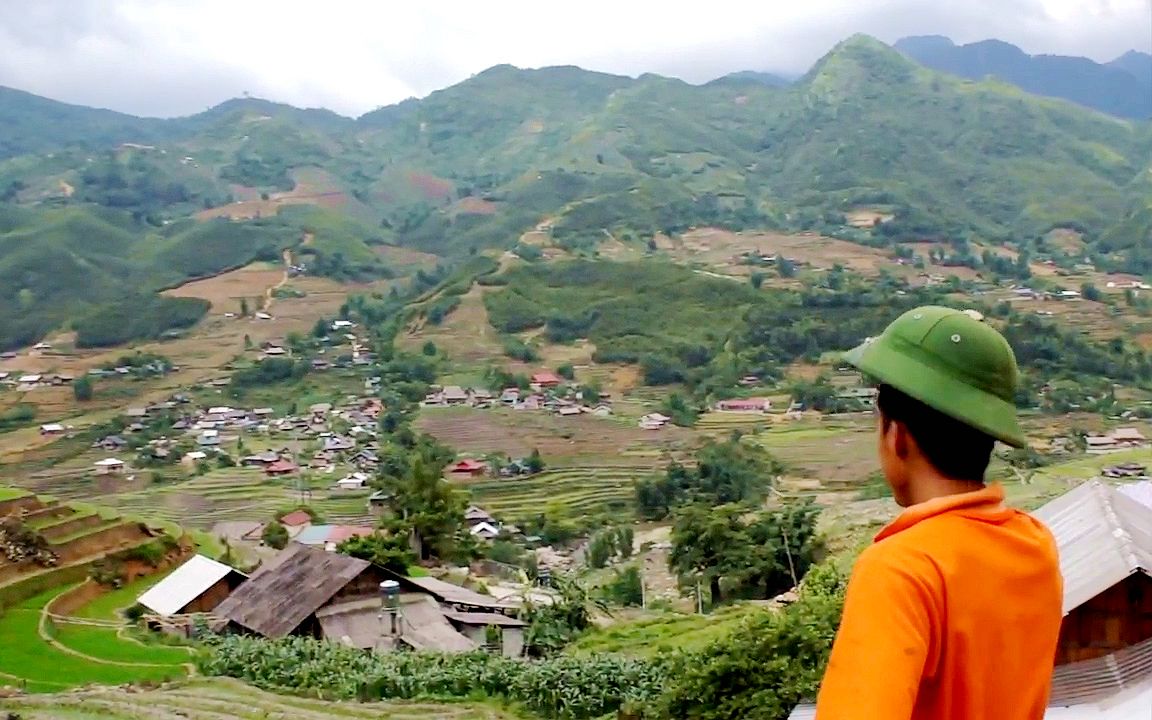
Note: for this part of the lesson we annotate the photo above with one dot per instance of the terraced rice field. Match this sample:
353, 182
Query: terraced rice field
579, 491
224, 699
79, 655
232, 494
839, 455
562, 440
725, 422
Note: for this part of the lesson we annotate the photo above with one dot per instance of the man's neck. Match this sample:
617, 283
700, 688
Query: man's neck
930, 485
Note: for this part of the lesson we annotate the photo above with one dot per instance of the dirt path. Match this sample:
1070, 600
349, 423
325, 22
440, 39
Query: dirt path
289, 261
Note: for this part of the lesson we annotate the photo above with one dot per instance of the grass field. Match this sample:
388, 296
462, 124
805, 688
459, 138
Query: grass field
31, 661
580, 491
225, 699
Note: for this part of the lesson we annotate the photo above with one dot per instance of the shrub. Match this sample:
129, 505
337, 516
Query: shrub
566, 688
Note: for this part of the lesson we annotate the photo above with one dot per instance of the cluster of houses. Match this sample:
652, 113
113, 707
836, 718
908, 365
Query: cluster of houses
1119, 439
211, 427
306, 591
546, 391
1104, 656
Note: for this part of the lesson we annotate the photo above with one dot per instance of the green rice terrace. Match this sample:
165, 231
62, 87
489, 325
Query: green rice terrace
201, 501
580, 490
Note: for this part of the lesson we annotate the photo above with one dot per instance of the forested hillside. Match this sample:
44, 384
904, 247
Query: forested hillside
582, 155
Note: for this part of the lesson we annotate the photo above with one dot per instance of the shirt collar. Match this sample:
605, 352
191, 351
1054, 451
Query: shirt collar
989, 499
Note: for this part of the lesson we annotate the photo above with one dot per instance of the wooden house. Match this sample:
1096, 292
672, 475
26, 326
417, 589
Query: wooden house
1105, 543
283, 597
199, 585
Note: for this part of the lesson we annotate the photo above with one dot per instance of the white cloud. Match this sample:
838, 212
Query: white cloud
170, 57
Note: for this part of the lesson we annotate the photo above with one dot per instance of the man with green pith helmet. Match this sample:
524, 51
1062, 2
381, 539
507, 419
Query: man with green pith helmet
953, 613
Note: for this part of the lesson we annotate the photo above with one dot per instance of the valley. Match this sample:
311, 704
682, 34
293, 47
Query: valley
535, 349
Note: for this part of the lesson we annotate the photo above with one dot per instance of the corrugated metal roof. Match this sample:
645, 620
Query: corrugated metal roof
185, 584
424, 627
1134, 703
1103, 536
1090, 680
446, 592
1141, 492
484, 618
280, 595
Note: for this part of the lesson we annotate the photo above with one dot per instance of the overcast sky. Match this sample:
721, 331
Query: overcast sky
177, 57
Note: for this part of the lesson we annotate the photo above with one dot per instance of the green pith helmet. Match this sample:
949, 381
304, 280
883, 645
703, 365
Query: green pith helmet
950, 361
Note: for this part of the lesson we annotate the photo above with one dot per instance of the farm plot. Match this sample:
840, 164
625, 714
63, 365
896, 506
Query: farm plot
839, 455
578, 491
31, 661
581, 440
465, 335
225, 699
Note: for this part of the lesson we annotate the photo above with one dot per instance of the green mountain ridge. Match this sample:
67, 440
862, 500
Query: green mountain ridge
475, 165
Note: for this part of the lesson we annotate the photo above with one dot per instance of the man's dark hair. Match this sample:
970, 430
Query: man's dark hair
957, 450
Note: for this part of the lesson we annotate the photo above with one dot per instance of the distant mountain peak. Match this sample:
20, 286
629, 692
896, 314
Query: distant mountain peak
1122, 87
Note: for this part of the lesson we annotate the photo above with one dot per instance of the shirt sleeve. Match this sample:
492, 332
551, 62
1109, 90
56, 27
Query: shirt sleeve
887, 639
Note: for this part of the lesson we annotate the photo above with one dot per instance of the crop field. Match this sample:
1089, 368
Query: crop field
225, 699
313, 186
42, 659
720, 249
839, 453
200, 502
579, 491
665, 632
580, 440
465, 335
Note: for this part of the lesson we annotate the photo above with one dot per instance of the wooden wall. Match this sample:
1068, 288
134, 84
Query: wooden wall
213, 596
1113, 620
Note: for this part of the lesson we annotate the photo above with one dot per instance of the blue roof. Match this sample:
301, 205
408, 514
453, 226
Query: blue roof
314, 535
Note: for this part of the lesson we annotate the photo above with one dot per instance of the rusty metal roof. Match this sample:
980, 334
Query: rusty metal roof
1103, 536
280, 596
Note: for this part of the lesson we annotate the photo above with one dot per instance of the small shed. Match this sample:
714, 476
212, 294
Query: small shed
468, 467
199, 585
280, 467
109, 466
474, 626
545, 379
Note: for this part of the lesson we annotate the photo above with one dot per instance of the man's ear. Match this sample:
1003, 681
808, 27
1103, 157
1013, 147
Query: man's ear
902, 441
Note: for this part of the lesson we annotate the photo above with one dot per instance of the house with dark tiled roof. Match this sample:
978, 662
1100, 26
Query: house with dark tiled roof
306, 591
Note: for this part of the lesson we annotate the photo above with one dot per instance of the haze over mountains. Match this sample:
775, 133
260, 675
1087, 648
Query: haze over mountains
1122, 87
475, 165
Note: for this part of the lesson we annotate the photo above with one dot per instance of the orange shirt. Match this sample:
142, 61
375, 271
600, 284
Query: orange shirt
953, 614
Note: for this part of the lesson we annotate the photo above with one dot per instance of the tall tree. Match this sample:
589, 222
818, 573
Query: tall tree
430, 505
704, 542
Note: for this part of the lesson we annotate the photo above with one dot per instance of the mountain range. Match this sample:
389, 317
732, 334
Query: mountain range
584, 154
1122, 87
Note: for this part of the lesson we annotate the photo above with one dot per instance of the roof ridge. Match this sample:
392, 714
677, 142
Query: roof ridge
1126, 544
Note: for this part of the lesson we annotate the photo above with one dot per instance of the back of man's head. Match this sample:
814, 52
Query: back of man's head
956, 450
